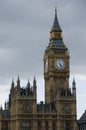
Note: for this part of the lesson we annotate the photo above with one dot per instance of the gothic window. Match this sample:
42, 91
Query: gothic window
26, 108
66, 108
53, 125
52, 94
25, 125
5, 126
66, 126
46, 125
39, 125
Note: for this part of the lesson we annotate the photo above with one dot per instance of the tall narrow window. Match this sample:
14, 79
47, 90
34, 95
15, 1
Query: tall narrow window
26, 125
54, 125
5, 126
46, 125
66, 126
39, 125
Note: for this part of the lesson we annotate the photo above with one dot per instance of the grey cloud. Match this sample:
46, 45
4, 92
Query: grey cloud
24, 34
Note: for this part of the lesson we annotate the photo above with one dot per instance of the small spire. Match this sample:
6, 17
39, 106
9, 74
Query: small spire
74, 83
34, 86
74, 86
18, 79
34, 81
55, 10
28, 84
28, 88
56, 27
5, 104
12, 84
18, 82
1, 108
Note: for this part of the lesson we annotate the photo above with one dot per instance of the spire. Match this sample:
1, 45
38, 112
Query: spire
1, 109
56, 27
12, 84
56, 31
28, 84
56, 39
74, 86
5, 105
34, 81
74, 83
18, 82
28, 88
34, 86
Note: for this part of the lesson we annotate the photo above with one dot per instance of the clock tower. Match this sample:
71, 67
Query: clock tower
56, 75
56, 63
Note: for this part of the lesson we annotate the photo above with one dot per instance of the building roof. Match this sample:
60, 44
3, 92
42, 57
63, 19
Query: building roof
83, 117
5, 113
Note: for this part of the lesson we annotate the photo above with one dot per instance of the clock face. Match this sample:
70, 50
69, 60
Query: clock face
60, 64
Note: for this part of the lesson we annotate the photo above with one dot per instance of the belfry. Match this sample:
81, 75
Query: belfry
58, 111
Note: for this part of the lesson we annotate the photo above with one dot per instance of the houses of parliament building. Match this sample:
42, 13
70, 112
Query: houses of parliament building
58, 111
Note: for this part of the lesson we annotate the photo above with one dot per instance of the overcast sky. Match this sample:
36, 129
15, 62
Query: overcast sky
24, 34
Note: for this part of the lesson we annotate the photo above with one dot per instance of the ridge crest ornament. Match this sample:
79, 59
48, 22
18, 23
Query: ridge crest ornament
59, 64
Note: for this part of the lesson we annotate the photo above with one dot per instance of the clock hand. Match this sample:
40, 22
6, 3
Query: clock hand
60, 65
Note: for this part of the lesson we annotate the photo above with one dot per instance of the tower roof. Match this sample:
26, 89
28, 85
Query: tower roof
56, 40
57, 44
56, 27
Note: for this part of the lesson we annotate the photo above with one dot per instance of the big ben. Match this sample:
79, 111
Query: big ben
56, 75
56, 62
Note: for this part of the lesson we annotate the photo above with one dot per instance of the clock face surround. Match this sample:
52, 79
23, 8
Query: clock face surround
59, 64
